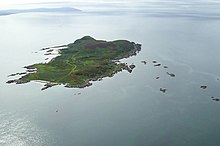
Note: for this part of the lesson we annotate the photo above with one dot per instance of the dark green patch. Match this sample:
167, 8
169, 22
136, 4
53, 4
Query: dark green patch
82, 61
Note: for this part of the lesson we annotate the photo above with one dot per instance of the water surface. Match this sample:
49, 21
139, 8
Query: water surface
127, 109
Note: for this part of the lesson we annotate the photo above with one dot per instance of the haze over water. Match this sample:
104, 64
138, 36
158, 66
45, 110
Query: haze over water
127, 109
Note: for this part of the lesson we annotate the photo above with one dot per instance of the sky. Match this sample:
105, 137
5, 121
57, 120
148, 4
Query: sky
4, 3
7, 2
10, 2
180, 6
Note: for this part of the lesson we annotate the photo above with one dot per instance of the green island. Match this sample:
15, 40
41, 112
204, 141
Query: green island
81, 62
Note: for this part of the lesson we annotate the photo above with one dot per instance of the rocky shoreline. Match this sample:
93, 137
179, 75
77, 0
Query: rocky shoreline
120, 67
87, 83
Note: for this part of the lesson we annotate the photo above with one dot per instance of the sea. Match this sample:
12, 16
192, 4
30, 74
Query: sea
127, 109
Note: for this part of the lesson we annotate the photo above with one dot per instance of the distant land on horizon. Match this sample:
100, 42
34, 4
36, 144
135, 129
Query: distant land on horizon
39, 10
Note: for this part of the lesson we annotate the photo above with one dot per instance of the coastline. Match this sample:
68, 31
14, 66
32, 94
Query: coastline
53, 52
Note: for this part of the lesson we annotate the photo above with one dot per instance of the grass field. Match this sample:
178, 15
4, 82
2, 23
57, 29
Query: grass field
82, 61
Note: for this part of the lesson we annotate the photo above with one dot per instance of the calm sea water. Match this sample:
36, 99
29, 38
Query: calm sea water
128, 109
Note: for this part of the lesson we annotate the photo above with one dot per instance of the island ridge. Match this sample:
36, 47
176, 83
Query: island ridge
85, 60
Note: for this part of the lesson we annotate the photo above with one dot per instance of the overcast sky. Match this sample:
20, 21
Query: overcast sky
9, 2
149, 5
6, 2
12, 2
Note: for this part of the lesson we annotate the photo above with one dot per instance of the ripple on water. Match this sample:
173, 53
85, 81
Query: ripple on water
16, 130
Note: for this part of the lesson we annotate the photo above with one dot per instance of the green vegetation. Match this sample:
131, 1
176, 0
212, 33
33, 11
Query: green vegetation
84, 60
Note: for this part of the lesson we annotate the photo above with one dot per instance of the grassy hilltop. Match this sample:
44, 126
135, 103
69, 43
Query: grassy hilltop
82, 61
